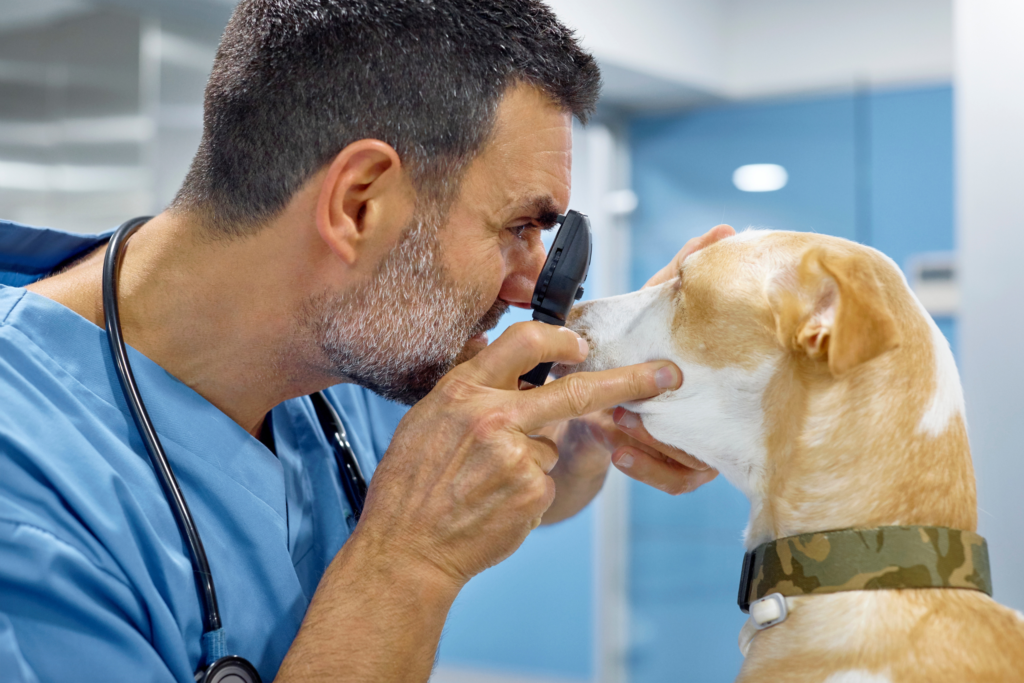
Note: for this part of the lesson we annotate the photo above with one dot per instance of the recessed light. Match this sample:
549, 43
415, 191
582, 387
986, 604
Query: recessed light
760, 177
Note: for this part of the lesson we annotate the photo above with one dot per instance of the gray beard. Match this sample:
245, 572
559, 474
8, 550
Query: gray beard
400, 333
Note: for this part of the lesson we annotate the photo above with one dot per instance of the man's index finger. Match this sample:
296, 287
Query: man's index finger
586, 392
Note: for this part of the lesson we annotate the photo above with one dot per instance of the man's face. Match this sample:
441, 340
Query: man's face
450, 279
513, 189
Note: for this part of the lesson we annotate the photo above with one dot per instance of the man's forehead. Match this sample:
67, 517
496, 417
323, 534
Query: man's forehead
529, 125
524, 169
531, 186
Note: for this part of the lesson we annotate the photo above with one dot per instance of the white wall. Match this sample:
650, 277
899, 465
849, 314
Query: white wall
665, 53
989, 111
776, 46
679, 40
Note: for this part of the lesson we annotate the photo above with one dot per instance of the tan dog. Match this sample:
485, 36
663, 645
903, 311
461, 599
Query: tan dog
817, 384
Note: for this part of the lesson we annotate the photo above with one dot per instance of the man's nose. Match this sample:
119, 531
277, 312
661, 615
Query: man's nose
524, 269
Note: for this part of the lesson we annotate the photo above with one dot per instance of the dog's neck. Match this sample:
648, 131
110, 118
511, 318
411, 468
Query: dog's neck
886, 445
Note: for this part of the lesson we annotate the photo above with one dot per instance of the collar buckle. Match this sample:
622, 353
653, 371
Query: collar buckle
746, 576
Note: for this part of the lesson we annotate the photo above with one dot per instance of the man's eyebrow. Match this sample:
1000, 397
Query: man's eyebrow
541, 209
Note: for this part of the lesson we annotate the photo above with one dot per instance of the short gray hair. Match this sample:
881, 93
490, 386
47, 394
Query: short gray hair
295, 81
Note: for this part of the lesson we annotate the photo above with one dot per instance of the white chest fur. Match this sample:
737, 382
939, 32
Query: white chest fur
717, 415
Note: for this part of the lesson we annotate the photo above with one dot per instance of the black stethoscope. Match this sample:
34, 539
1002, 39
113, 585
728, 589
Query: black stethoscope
219, 667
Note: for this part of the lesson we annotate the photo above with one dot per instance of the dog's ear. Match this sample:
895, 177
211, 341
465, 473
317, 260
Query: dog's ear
831, 309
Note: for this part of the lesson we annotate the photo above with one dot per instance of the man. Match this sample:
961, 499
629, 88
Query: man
366, 202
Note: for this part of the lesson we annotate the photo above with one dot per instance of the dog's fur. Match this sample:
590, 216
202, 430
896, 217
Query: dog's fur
817, 384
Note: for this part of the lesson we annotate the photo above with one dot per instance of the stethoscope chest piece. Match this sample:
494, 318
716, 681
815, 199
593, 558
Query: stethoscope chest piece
230, 669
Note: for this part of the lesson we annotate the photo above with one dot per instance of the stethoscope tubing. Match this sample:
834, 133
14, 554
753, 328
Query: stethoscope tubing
351, 474
169, 483
352, 479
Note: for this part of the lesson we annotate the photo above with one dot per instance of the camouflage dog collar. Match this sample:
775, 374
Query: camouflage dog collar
866, 559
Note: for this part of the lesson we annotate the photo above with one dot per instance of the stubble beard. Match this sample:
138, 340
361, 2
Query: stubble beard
399, 334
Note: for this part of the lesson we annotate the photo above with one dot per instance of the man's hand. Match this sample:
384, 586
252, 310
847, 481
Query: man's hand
459, 489
464, 481
589, 443
654, 463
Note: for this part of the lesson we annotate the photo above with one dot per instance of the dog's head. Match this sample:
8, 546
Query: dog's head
783, 339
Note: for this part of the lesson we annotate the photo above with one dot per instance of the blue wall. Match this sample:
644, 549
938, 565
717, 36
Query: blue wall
682, 173
877, 167
533, 613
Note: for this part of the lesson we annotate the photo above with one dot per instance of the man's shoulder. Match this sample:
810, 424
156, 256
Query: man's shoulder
26, 370
63, 448
50, 362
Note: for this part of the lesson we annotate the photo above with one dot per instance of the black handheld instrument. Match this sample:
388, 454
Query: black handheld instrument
560, 283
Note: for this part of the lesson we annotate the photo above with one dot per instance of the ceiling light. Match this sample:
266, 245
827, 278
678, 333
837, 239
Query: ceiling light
760, 177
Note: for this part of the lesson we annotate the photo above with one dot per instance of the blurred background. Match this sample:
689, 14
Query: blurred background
896, 123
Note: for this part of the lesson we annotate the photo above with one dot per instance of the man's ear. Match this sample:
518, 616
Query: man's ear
365, 194
831, 309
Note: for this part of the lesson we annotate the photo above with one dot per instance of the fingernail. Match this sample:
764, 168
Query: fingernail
625, 461
584, 346
666, 378
627, 419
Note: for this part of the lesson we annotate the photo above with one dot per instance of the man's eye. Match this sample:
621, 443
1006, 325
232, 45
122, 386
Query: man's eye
519, 230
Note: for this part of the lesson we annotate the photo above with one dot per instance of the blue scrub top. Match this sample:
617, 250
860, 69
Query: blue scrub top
95, 580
